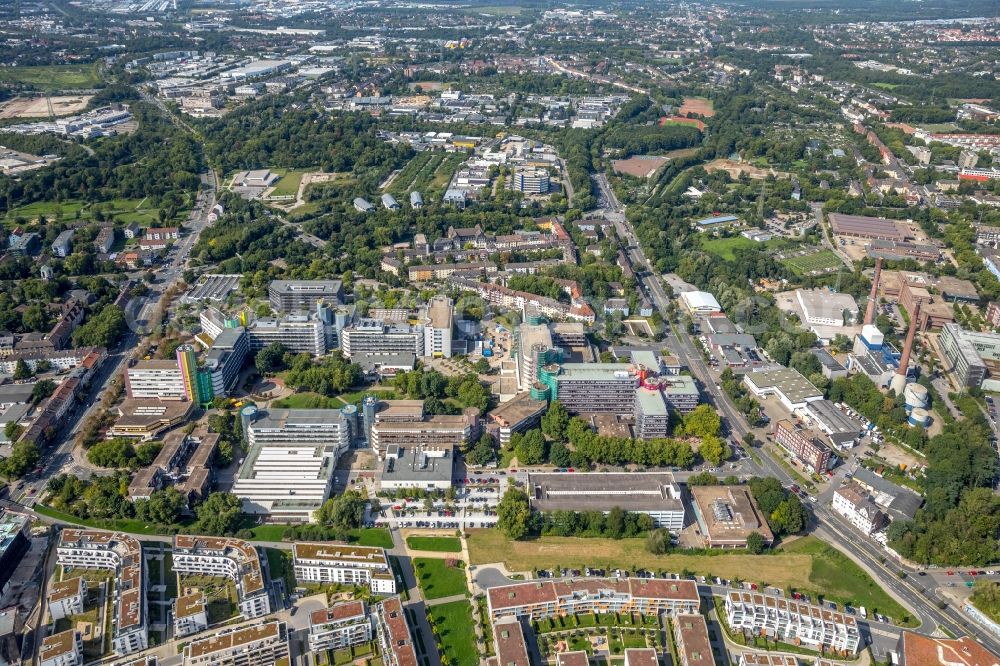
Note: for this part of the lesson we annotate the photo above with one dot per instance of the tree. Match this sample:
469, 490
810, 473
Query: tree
12, 431
790, 516
482, 366
554, 422
220, 514
755, 543
703, 479
658, 542
559, 455
714, 450
271, 358
614, 524
146, 453
703, 421
42, 390
22, 370
117, 452
768, 493
483, 452
23, 457
345, 512
529, 447
514, 514
102, 330
163, 507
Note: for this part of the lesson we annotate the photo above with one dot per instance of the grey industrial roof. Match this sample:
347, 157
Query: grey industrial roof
603, 491
827, 360
834, 419
407, 467
788, 381
16, 393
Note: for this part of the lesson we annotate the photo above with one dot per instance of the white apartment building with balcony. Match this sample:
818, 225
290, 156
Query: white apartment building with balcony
190, 614
340, 626
122, 554
234, 559
254, 645
66, 597
792, 622
343, 563
288, 470
62, 649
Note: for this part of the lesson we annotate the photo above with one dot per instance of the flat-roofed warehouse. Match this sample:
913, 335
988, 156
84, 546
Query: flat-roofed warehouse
653, 493
727, 515
862, 226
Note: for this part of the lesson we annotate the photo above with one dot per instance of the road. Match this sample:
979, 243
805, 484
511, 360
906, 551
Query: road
922, 601
59, 458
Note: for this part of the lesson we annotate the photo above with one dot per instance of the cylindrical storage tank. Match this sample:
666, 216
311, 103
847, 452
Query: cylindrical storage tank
248, 414
919, 417
540, 391
915, 395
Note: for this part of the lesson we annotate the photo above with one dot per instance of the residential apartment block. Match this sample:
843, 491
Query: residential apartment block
394, 634
256, 645
343, 563
234, 559
541, 599
122, 554
340, 626
66, 597
792, 621
190, 614
62, 649
509, 642
693, 644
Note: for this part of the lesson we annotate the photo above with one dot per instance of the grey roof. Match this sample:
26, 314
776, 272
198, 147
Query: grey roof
227, 338
416, 467
744, 340
16, 393
654, 491
833, 419
369, 362
904, 502
827, 360
280, 418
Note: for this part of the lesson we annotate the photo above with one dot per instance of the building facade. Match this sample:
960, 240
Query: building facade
234, 559
340, 626
343, 563
257, 645
793, 622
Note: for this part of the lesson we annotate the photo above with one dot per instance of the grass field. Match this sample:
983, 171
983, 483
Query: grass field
805, 565
52, 77
436, 544
838, 578
456, 629
372, 536
308, 400
725, 247
289, 183
437, 579
806, 264
122, 210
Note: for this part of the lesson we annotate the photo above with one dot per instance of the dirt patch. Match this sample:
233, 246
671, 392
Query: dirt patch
735, 169
640, 166
44, 107
427, 85
698, 106
682, 120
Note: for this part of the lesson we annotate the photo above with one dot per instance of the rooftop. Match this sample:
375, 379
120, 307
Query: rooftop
512, 649
417, 467
347, 610
65, 589
604, 490
928, 651
518, 408
56, 645
861, 225
338, 552
786, 381
190, 604
728, 513
234, 638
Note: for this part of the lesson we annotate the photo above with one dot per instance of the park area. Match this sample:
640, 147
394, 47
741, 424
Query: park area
697, 105
725, 248
123, 211
456, 632
436, 544
43, 107
803, 565
614, 632
52, 77
440, 578
812, 263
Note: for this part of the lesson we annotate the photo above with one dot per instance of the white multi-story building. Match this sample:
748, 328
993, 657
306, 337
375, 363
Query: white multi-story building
62, 649
394, 634
234, 559
437, 327
340, 626
375, 336
255, 645
343, 563
190, 614
792, 621
121, 553
66, 597
291, 456
852, 502
162, 379
300, 333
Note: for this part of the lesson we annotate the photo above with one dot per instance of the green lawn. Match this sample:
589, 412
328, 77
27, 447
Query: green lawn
725, 247
354, 397
438, 580
457, 632
377, 537
437, 544
279, 564
122, 524
53, 77
822, 260
837, 578
289, 183
121, 210
308, 400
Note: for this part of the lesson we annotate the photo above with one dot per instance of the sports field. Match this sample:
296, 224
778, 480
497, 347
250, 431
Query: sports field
824, 260
697, 105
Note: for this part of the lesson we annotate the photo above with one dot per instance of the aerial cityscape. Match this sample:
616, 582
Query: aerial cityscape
522, 333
